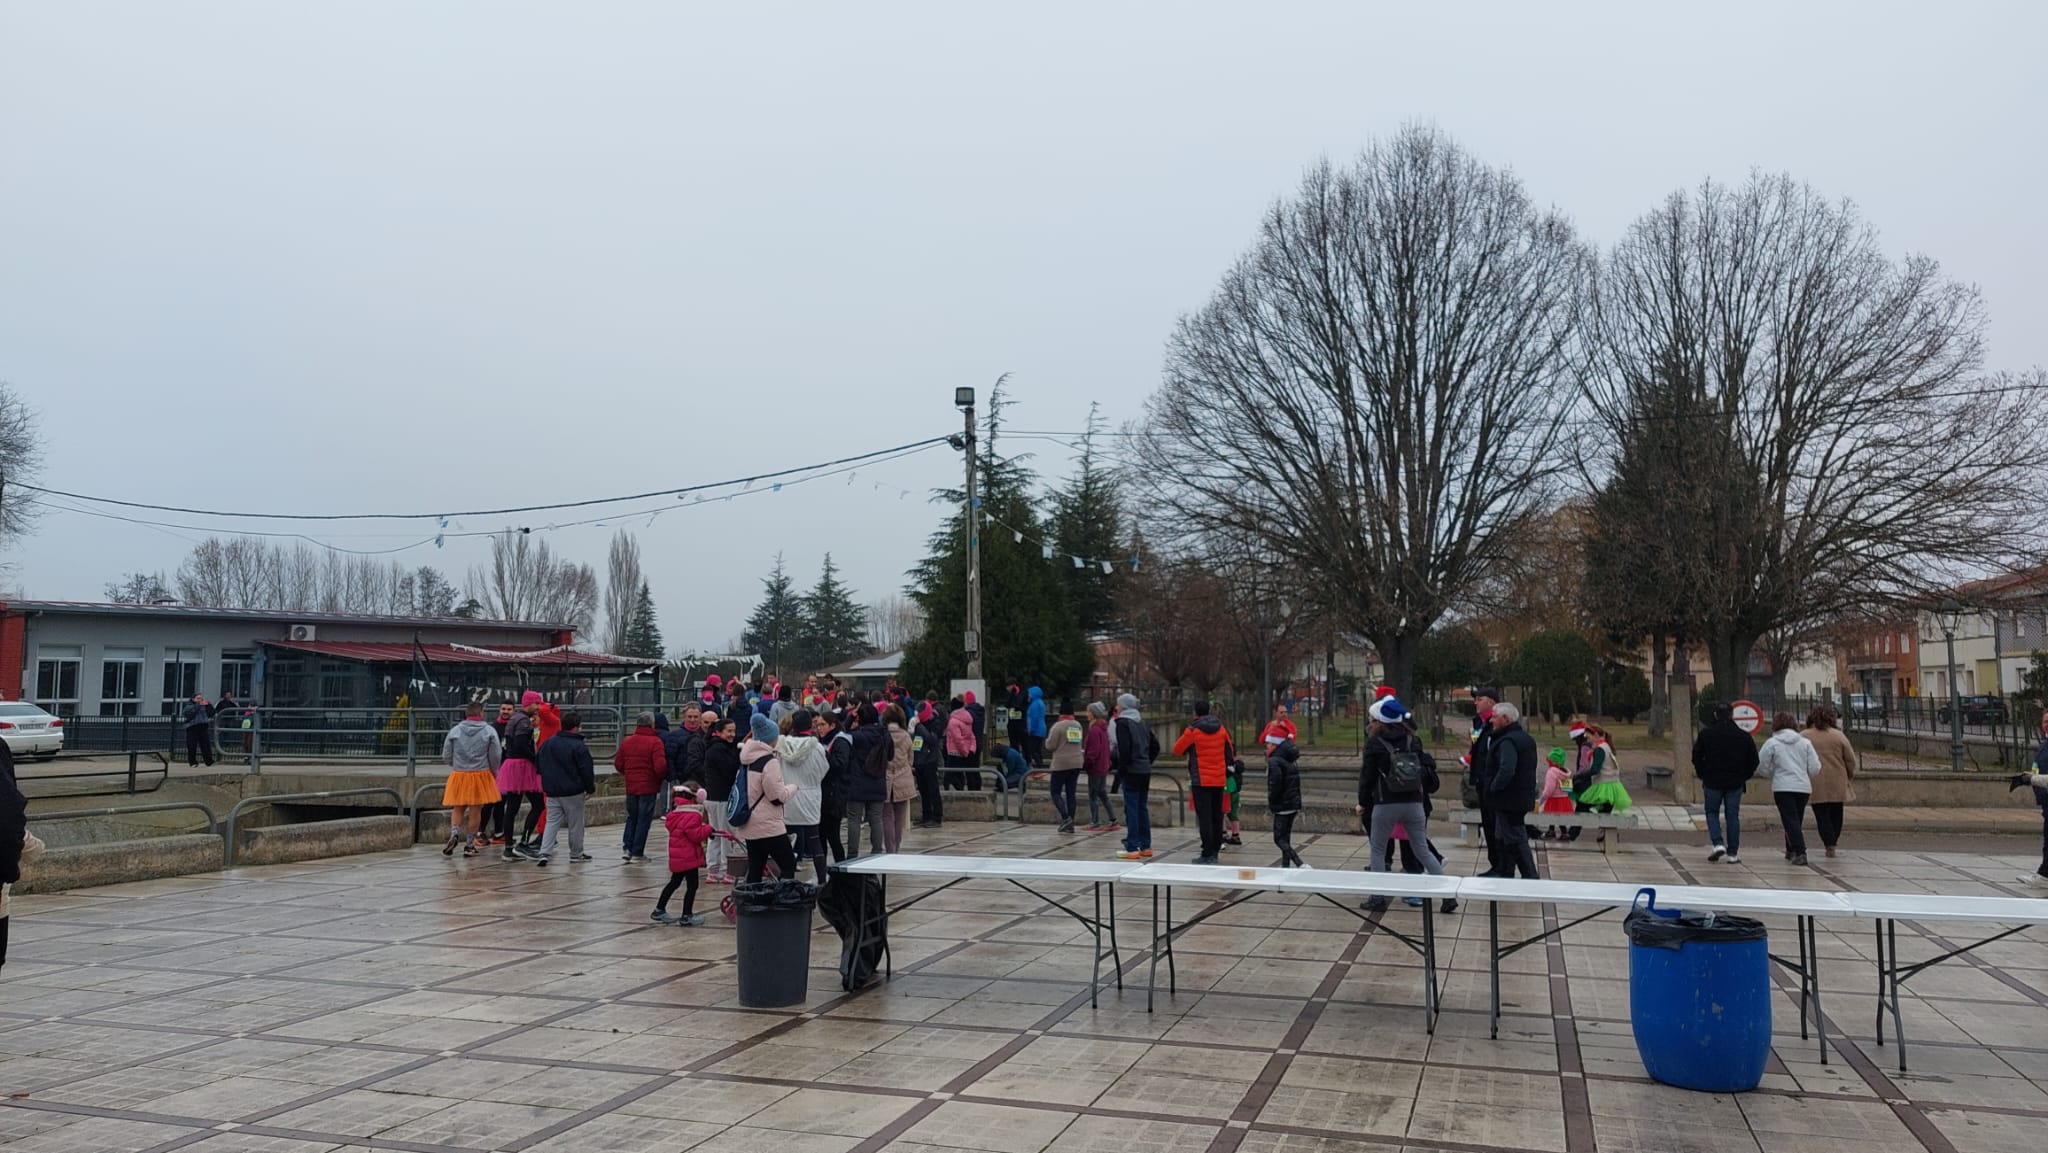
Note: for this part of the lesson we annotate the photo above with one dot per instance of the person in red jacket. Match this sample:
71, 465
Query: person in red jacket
1207, 746
1281, 726
643, 761
687, 832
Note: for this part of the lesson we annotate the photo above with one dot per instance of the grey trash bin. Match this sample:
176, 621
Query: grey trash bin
774, 942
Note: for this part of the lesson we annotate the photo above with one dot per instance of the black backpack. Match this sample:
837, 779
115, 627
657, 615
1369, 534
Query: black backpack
1405, 772
739, 806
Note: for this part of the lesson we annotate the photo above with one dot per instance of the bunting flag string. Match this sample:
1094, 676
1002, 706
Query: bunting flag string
1047, 551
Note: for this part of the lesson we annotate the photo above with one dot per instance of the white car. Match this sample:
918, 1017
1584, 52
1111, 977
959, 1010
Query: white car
29, 731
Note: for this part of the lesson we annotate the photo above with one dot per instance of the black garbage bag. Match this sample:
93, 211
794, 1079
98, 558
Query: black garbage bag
1676, 928
772, 896
864, 938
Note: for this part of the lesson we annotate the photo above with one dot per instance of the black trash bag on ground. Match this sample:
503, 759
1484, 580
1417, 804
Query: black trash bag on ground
773, 896
863, 940
1676, 928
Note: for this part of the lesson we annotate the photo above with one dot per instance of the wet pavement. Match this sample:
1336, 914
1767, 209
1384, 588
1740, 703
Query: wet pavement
409, 1001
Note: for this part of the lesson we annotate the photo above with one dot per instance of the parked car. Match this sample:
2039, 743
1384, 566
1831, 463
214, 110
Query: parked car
29, 731
1981, 709
1863, 706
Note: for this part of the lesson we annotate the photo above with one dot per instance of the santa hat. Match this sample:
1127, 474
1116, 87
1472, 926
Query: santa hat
1388, 711
1578, 731
1383, 692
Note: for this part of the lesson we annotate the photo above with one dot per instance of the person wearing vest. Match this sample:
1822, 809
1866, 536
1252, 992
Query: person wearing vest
1064, 741
1133, 750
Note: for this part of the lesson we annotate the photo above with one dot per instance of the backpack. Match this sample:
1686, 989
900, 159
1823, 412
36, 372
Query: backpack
1404, 772
739, 806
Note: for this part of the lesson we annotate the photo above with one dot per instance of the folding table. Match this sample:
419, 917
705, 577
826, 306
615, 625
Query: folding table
1803, 904
1888, 909
1329, 884
1017, 871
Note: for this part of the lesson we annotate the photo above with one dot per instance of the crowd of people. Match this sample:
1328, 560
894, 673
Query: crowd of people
752, 778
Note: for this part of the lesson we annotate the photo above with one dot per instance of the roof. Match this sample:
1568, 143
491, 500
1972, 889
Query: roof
401, 652
282, 616
877, 665
2032, 581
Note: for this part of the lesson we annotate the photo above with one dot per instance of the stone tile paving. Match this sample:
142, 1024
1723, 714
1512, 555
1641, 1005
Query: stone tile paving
407, 1001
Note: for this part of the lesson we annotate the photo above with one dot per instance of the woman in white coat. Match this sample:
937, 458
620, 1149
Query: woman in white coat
1791, 762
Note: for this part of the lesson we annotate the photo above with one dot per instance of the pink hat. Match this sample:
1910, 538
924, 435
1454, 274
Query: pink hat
713, 680
529, 697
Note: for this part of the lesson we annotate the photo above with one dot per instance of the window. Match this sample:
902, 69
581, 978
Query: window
57, 678
2019, 627
1887, 645
1905, 644
238, 676
181, 679
120, 682
337, 685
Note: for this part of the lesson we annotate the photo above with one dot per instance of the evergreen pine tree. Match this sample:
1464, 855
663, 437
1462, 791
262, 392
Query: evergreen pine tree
1086, 523
835, 626
643, 635
776, 630
1028, 631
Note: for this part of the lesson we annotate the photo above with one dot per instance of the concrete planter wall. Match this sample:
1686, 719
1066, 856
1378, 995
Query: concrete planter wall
112, 862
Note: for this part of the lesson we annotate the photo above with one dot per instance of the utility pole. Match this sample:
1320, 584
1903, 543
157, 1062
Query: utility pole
963, 398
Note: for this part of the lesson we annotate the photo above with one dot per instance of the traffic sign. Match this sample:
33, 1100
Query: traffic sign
1748, 717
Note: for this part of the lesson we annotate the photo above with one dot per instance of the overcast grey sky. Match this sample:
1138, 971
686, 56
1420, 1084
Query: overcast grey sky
328, 257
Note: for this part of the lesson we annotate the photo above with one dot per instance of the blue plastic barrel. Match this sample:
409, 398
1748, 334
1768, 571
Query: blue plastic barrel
1699, 995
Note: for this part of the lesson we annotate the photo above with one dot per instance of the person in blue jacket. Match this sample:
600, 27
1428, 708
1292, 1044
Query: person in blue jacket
1013, 765
1034, 728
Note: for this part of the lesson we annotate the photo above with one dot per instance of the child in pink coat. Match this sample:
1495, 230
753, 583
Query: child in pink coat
687, 832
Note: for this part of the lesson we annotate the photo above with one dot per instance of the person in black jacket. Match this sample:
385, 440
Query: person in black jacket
832, 790
13, 833
1725, 758
1484, 701
1392, 753
1283, 796
928, 747
568, 776
867, 777
1511, 792
721, 769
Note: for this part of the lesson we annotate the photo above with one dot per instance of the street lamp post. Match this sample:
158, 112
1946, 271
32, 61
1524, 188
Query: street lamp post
963, 399
1950, 615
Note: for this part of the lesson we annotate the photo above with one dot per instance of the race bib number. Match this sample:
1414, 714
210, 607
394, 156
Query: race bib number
1073, 735
917, 744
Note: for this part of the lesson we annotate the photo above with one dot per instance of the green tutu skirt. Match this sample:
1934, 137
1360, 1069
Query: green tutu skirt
1609, 796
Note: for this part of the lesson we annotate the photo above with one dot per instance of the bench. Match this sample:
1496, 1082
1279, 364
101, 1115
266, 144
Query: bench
1605, 822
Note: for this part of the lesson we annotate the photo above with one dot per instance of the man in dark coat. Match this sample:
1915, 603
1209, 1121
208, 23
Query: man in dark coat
1510, 792
568, 776
1725, 758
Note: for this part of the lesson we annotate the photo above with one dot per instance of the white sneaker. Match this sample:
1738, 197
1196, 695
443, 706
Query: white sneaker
2035, 881
1718, 853
1732, 859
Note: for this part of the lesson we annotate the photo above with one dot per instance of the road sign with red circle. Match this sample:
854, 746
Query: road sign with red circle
1748, 717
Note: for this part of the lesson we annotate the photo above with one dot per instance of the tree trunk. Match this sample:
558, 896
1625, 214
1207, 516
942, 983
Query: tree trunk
1398, 654
1730, 657
1660, 688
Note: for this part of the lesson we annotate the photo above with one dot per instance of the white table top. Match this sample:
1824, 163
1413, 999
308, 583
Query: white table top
995, 868
1937, 907
1799, 902
1349, 881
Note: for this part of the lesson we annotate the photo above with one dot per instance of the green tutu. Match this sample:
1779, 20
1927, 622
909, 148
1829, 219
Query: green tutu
1608, 793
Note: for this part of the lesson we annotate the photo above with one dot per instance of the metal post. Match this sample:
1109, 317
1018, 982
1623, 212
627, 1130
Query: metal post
965, 398
1955, 705
411, 742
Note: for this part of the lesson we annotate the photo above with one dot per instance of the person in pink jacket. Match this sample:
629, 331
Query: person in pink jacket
687, 832
766, 830
961, 749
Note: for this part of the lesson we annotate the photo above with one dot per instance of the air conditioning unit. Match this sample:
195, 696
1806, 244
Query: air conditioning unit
304, 633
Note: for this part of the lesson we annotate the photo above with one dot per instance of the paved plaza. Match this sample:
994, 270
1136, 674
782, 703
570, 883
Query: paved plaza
409, 1001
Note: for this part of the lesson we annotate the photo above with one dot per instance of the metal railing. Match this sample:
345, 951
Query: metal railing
1159, 776
228, 852
212, 822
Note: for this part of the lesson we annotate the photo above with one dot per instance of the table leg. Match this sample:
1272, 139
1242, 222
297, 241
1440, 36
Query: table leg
1430, 992
1805, 966
1820, 1020
1891, 932
888, 958
1116, 958
1493, 952
1095, 963
1152, 979
1883, 975
1172, 974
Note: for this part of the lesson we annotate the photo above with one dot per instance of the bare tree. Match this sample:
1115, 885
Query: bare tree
621, 590
139, 588
893, 623
21, 458
524, 581
1371, 394
1824, 437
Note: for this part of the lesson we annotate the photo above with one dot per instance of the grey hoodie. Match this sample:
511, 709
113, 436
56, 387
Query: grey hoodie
471, 745
1790, 761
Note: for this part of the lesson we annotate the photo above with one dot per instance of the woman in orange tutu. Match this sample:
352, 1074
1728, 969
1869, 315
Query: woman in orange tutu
472, 752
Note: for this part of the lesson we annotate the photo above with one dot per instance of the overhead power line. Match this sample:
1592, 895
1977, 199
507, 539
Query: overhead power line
442, 514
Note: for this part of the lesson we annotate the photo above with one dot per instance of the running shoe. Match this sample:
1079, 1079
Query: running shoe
454, 839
